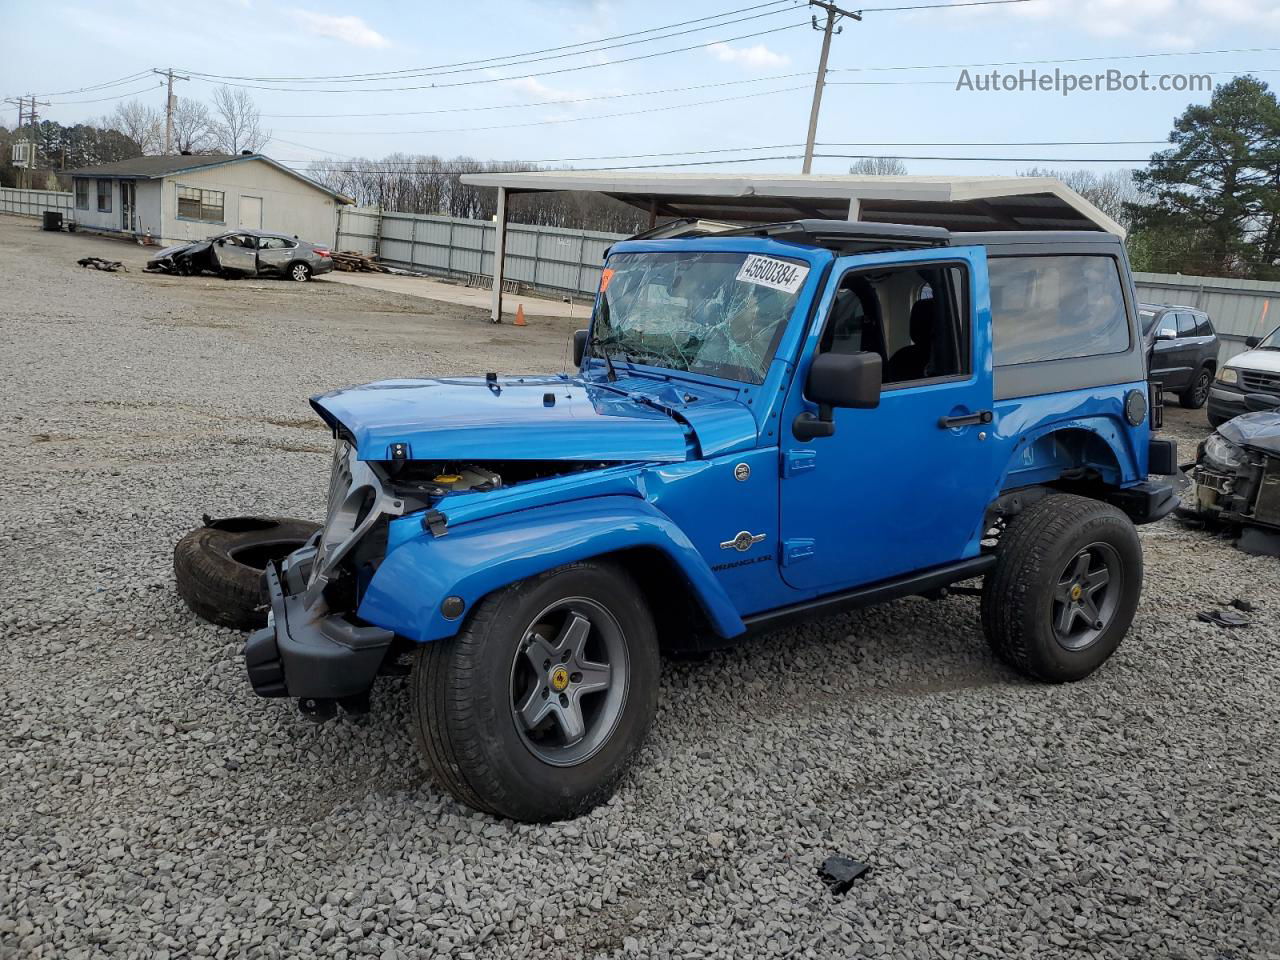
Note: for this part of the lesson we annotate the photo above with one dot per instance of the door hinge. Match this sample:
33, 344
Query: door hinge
795, 550
798, 461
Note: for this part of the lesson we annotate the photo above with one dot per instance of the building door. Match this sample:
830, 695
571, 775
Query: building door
250, 213
128, 204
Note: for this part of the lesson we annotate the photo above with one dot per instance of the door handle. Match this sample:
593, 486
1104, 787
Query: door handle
966, 420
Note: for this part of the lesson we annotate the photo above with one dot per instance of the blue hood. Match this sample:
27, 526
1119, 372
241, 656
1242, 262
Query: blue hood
514, 418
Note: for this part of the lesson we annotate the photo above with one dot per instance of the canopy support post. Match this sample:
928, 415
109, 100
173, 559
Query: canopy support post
499, 255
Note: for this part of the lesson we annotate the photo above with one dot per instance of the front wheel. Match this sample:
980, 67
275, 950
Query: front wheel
1064, 589
299, 272
1194, 397
536, 708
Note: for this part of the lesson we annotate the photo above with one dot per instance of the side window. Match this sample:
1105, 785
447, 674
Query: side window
1186, 325
1203, 327
276, 243
916, 318
1057, 308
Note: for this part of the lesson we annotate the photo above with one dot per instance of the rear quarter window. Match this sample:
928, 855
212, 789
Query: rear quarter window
1056, 308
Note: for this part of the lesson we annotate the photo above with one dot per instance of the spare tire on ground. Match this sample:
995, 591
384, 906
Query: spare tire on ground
219, 566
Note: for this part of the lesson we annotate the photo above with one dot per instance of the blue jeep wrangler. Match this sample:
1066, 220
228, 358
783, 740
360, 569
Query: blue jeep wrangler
767, 424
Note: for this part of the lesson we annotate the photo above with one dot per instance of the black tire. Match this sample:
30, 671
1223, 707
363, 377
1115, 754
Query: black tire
1194, 397
298, 271
218, 567
1023, 596
464, 700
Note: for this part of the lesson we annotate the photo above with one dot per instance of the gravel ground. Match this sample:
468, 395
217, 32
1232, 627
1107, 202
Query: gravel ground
151, 806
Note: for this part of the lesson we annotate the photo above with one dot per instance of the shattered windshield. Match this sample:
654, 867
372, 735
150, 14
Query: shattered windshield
719, 314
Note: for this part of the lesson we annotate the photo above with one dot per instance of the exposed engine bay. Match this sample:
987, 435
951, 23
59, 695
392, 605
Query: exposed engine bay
430, 479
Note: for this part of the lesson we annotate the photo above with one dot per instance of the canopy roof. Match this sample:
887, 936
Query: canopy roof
956, 203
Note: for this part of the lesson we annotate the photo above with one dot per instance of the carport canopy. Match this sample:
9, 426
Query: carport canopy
960, 204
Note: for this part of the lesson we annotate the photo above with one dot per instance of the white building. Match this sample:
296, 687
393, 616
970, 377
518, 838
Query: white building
177, 198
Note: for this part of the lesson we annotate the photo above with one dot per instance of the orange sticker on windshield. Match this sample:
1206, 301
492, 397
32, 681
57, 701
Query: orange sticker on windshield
605, 276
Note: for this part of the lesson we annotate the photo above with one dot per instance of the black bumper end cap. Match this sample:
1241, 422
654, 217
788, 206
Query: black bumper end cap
1146, 502
262, 662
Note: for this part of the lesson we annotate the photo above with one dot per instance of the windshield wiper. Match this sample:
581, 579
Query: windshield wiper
601, 345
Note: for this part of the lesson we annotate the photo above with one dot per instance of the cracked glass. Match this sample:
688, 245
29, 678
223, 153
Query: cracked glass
718, 314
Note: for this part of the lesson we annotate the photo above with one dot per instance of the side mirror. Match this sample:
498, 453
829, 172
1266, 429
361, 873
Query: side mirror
1252, 342
838, 380
1167, 333
579, 346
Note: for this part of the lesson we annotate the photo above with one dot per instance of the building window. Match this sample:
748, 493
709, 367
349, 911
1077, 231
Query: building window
104, 196
82, 194
196, 204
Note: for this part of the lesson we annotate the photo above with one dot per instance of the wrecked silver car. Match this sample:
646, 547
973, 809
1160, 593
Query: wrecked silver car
1237, 472
245, 253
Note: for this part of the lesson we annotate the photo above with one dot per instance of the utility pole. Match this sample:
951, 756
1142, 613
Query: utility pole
834, 14
27, 116
168, 106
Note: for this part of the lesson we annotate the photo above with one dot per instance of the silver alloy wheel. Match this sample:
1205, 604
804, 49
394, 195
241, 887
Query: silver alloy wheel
1086, 596
569, 679
299, 272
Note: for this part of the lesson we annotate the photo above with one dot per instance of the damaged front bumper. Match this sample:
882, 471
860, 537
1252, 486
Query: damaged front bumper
309, 652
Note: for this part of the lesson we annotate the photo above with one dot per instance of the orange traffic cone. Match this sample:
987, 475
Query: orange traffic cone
519, 322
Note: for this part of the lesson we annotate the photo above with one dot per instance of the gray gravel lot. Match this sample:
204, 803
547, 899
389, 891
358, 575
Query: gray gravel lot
151, 806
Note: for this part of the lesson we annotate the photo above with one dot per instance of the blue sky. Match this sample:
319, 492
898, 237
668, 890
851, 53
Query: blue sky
763, 82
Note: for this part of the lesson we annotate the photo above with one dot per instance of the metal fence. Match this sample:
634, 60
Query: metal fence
548, 257
1238, 308
33, 203
570, 261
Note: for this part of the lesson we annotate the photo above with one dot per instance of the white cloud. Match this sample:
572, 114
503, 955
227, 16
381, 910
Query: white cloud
755, 56
350, 30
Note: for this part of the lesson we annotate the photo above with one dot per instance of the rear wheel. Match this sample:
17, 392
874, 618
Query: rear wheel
536, 708
300, 272
1064, 589
1194, 397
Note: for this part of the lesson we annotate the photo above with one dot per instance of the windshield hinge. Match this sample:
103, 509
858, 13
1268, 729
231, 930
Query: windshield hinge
798, 461
797, 549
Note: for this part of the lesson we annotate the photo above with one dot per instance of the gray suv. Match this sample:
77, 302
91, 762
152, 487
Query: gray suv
1182, 350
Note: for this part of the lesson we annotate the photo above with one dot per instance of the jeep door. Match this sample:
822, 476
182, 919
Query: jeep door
903, 486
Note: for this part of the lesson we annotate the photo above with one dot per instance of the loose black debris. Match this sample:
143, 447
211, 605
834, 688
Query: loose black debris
838, 873
1245, 605
1223, 618
111, 266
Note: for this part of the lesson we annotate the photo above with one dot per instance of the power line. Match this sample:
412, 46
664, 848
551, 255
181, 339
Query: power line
118, 96
1032, 63
90, 88
523, 76
944, 6
540, 123
533, 103
472, 66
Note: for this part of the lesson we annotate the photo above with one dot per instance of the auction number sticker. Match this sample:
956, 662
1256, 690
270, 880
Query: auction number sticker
771, 272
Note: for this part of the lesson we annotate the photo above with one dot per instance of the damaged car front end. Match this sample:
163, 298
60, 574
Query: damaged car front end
1237, 472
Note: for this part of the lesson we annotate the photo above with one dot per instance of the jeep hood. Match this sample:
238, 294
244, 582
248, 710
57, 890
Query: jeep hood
538, 418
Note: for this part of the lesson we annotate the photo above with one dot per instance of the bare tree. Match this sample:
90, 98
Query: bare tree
141, 123
879, 167
237, 124
193, 127
1109, 192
